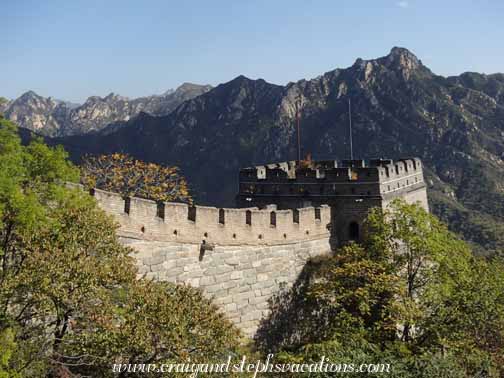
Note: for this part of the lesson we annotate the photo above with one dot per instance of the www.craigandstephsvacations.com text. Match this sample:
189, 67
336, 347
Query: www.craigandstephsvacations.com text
325, 365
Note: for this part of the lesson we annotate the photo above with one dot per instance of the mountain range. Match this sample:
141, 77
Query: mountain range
51, 117
399, 108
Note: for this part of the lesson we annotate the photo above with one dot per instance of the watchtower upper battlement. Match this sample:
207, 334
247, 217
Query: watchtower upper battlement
340, 171
377, 178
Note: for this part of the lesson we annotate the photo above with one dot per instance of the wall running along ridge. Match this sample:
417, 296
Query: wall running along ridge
240, 257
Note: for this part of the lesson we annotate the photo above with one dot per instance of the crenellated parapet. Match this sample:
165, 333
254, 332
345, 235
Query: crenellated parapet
144, 219
291, 184
345, 170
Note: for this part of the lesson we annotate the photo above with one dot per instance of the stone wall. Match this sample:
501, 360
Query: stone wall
241, 279
240, 257
177, 222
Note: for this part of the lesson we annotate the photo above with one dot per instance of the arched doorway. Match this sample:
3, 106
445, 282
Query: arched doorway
353, 231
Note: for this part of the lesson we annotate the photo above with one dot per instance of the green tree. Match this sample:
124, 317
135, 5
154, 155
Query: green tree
68, 288
159, 323
450, 302
350, 295
420, 248
413, 295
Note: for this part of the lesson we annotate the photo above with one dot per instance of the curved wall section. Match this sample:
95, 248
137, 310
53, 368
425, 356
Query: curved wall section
238, 257
147, 220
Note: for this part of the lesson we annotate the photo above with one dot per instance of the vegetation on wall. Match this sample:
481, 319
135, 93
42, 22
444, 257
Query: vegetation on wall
122, 174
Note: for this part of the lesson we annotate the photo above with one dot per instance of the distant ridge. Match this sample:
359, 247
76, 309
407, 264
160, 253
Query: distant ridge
59, 118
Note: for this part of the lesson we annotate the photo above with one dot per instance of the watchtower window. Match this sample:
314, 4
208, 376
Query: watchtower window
295, 216
222, 216
397, 169
127, 205
160, 210
353, 231
273, 219
248, 217
191, 213
317, 213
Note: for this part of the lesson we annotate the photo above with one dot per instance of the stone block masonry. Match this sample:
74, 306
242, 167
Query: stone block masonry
240, 278
238, 257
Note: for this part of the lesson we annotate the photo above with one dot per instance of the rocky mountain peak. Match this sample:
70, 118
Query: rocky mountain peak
239, 80
32, 98
28, 95
187, 87
402, 60
403, 57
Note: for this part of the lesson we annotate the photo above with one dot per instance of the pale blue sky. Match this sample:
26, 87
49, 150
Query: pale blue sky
74, 49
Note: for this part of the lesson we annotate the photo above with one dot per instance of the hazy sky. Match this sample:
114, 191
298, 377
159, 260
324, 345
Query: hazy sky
74, 49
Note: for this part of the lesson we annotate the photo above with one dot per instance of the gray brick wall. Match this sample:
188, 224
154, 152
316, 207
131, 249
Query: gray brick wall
237, 264
240, 279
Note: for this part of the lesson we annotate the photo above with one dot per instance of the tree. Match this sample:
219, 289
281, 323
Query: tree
69, 290
156, 323
420, 247
412, 294
450, 301
346, 296
122, 174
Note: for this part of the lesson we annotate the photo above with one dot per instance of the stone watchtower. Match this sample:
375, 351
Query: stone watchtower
350, 187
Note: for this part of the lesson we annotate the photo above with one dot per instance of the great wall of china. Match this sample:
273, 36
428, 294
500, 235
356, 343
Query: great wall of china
242, 256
